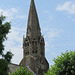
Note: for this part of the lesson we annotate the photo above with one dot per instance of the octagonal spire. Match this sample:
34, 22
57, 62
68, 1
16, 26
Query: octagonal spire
33, 28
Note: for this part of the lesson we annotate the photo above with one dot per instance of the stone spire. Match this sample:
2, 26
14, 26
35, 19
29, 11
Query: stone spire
34, 45
33, 27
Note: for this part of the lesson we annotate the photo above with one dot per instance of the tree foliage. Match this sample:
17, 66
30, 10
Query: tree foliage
22, 71
64, 64
4, 58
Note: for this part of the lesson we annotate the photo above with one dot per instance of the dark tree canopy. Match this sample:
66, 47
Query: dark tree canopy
4, 58
64, 64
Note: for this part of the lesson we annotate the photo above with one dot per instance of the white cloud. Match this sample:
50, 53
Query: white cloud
53, 53
14, 43
14, 10
21, 17
12, 13
67, 6
15, 37
51, 34
9, 13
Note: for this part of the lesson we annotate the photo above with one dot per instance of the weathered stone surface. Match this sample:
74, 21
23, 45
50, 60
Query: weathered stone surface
34, 45
13, 67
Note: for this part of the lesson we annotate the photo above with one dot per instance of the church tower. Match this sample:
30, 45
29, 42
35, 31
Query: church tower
34, 45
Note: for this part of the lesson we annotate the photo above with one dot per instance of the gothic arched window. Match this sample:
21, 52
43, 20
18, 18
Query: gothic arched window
34, 47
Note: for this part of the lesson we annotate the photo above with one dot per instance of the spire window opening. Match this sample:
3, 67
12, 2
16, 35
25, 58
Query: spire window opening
34, 52
27, 53
26, 44
34, 43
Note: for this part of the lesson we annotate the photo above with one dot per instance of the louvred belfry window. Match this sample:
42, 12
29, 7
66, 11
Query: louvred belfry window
42, 46
26, 47
34, 47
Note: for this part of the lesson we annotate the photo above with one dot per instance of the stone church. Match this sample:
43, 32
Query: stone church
33, 45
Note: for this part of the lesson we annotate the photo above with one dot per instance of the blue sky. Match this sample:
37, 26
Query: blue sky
57, 22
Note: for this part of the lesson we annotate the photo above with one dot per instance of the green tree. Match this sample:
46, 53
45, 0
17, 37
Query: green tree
4, 58
64, 64
22, 71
